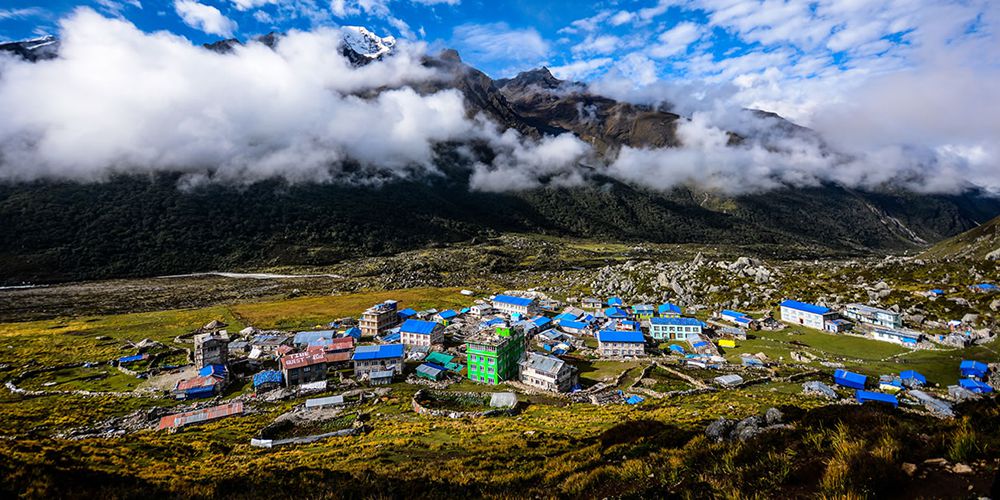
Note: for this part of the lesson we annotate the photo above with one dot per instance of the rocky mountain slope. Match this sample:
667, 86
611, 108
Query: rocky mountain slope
980, 243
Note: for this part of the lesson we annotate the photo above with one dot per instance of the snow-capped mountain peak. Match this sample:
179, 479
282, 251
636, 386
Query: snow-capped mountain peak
365, 43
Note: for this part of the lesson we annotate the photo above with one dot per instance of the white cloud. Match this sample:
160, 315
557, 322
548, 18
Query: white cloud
578, 70
376, 8
498, 42
20, 13
676, 40
243, 5
204, 18
598, 44
293, 112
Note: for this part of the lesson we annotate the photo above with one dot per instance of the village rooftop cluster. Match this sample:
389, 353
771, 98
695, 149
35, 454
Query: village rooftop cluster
533, 343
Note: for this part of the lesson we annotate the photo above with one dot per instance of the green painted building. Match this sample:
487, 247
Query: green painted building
492, 356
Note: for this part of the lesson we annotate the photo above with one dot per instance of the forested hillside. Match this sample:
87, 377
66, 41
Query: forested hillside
141, 226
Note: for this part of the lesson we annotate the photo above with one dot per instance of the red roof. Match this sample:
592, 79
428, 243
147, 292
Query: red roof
302, 359
196, 382
191, 417
284, 349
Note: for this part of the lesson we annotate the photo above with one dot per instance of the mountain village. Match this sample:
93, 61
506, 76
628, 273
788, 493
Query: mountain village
530, 344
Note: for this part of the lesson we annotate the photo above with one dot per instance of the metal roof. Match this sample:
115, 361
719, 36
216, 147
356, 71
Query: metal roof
668, 307
192, 417
677, 322
975, 386
542, 363
617, 336
387, 351
806, 307
430, 370
418, 326
541, 321
866, 396
613, 312
912, 374
575, 325
210, 370
327, 401
510, 299
447, 314
303, 338
731, 379
731, 313
849, 379
615, 301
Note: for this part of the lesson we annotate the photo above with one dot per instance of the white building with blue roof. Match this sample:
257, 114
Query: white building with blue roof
416, 332
675, 328
369, 359
509, 304
613, 343
805, 314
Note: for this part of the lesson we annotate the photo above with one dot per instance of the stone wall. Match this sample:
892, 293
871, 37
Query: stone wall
423, 409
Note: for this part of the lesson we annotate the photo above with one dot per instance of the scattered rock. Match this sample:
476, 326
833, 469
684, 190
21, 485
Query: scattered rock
909, 469
961, 469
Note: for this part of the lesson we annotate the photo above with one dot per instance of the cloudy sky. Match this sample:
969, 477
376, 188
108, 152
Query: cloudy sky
908, 83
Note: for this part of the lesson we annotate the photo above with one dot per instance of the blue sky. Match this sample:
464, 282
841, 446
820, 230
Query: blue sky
878, 78
582, 40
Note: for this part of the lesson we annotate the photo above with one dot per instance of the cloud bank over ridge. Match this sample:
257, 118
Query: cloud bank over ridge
119, 100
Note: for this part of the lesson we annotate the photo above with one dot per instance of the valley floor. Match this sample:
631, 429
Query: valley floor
553, 448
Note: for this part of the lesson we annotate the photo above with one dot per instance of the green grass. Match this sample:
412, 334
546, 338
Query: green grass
308, 312
69, 340
102, 378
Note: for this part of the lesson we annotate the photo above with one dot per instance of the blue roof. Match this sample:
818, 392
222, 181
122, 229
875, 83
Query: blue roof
206, 371
937, 291
386, 351
616, 336
849, 379
677, 348
353, 332
730, 312
418, 326
130, 359
669, 308
576, 325
912, 374
700, 343
510, 299
303, 338
392, 337
986, 286
615, 301
447, 314
615, 312
975, 386
866, 396
541, 321
677, 322
635, 399
494, 321
803, 306
268, 377
974, 368
203, 391
406, 313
